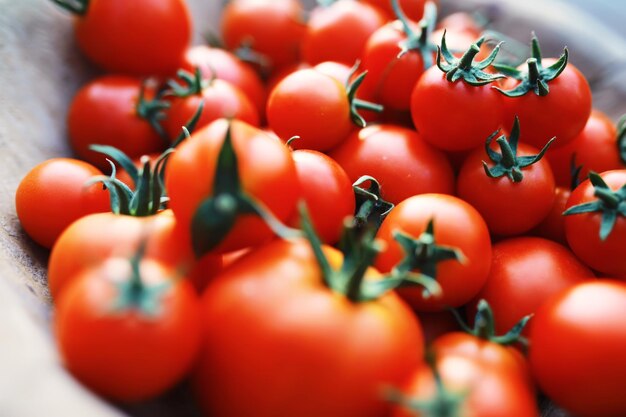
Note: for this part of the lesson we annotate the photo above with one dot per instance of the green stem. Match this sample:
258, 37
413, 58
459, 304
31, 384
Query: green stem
468, 57
77, 7
608, 197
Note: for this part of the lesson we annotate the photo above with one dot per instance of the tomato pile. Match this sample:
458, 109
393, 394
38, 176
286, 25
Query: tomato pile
358, 210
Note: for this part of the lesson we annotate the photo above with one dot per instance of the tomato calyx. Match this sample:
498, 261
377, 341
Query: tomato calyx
507, 162
465, 68
485, 327
417, 42
153, 111
246, 53
148, 197
357, 104
216, 215
192, 84
612, 204
423, 254
77, 7
133, 293
536, 78
371, 208
621, 138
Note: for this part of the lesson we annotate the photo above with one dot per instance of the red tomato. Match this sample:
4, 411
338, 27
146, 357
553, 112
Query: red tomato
53, 194
584, 231
105, 112
577, 348
456, 225
138, 38
272, 28
311, 105
454, 116
479, 391
327, 192
221, 99
595, 148
129, 338
100, 236
461, 22
569, 98
224, 65
340, 72
338, 32
414, 9
509, 207
553, 225
277, 337
398, 158
266, 170
525, 272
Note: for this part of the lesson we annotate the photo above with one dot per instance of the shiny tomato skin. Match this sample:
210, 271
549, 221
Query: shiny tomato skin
52, 195
221, 99
583, 230
224, 65
553, 225
103, 112
595, 148
98, 237
489, 392
398, 157
311, 105
327, 192
456, 224
390, 80
562, 113
122, 353
266, 170
339, 32
454, 116
508, 207
273, 28
525, 272
276, 336
414, 9
577, 348
137, 38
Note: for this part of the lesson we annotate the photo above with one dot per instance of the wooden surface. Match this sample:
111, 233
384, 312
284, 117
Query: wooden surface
40, 70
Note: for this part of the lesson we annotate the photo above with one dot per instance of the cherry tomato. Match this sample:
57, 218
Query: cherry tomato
338, 32
584, 231
414, 9
272, 28
53, 194
456, 225
553, 225
403, 163
577, 348
107, 111
266, 170
138, 38
525, 272
128, 338
327, 192
276, 337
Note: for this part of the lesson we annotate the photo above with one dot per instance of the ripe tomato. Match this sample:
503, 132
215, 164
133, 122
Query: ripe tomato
456, 115
595, 148
53, 194
224, 65
265, 167
272, 28
221, 99
516, 201
128, 335
312, 105
577, 348
138, 38
525, 272
403, 163
467, 388
597, 237
338, 32
108, 111
277, 337
553, 225
98, 237
327, 192
414, 9
457, 225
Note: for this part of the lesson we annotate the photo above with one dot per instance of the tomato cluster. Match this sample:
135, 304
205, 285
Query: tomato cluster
304, 221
